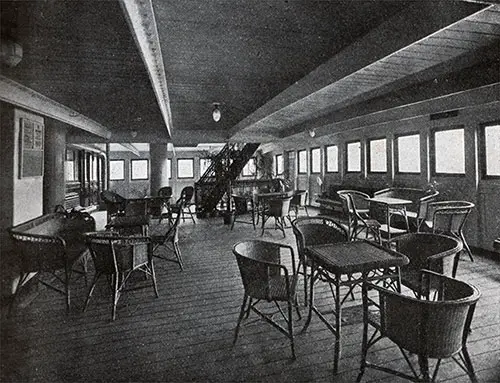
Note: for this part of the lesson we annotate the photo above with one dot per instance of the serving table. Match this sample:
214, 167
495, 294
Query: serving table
359, 262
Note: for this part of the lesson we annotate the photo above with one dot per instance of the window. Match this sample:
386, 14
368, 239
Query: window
185, 168
93, 167
250, 168
169, 168
139, 170
332, 158
316, 160
449, 151
491, 150
302, 162
117, 170
204, 165
378, 155
408, 154
279, 164
354, 156
70, 168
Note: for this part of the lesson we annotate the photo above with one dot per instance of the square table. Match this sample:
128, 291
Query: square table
360, 261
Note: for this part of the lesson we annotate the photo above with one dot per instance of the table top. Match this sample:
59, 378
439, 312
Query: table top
355, 256
390, 200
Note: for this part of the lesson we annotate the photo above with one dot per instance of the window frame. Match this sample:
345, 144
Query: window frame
276, 163
396, 152
122, 170
250, 174
360, 157
369, 156
336, 160
192, 168
482, 150
137, 160
298, 161
311, 163
432, 151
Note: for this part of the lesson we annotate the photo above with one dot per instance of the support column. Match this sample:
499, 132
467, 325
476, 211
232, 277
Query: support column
158, 156
54, 157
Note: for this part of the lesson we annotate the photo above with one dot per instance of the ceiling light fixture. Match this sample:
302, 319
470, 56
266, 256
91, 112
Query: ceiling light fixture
216, 114
133, 133
312, 133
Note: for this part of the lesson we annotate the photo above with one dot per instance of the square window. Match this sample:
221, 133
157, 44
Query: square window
408, 154
302, 158
250, 168
117, 170
139, 170
279, 164
354, 156
316, 160
491, 150
185, 168
449, 151
378, 155
332, 158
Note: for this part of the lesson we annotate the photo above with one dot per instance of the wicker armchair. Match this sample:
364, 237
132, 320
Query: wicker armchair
433, 252
117, 257
242, 208
448, 217
438, 328
277, 208
186, 201
299, 201
266, 278
170, 242
115, 203
356, 208
317, 230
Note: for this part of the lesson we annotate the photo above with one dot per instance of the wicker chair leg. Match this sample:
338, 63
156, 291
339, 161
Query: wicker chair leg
466, 246
240, 318
91, 290
178, 255
153, 276
116, 295
290, 327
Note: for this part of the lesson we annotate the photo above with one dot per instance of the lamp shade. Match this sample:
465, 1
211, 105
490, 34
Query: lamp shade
216, 114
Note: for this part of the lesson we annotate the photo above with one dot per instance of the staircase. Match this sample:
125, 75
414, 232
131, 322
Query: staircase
225, 167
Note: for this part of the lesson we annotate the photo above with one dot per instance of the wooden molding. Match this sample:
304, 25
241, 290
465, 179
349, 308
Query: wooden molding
27, 98
141, 19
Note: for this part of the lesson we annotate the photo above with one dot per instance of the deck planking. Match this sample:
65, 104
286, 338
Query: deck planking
186, 334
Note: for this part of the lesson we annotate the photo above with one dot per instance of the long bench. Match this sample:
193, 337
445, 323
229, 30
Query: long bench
52, 243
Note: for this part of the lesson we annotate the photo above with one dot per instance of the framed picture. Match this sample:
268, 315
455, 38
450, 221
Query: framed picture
140, 170
31, 148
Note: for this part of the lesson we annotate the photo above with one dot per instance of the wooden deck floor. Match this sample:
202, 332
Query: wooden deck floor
186, 334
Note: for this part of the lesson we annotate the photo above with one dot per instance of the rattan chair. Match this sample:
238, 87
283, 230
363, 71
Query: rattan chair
115, 203
169, 241
448, 217
355, 206
428, 251
298, 202
317, 230
277, 208
431, 327
186, 201
117, 258
243, 207
266, 278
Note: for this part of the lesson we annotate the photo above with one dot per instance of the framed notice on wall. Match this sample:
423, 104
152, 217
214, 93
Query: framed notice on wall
31, 148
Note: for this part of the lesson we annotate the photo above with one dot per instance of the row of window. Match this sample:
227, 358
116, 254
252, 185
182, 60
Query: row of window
139, 168
447, 153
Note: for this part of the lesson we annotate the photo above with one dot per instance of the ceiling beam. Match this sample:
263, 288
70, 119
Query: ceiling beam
141, 19
27, 98
390, 37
